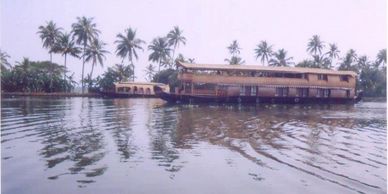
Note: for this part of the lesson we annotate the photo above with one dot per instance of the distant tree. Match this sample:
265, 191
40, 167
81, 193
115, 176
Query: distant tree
96, 54
315, 45
127, 46
349, 61
234, 60
66, 46
159, 51
234, 48
124, 72
280, 59
175, 38
150, 72
167, 76
333, 53
191, 60
4, 60
49, 35
84, 31
264, 51
382, 57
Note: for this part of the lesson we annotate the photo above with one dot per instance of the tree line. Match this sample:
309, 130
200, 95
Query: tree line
83, 42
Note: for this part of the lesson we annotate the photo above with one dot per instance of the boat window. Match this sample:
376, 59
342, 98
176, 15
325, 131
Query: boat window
322, 77
302, 92
323, 93
348, 93
121, 89
242, 91
254, 91
344, 78
281, 91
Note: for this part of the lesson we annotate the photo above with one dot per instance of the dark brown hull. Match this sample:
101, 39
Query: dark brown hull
174, 98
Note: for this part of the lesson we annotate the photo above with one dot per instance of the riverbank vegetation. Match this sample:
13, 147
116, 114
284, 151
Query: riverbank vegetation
83, 42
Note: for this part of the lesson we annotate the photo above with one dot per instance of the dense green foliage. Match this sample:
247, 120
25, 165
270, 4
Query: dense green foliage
167, 76
35, 76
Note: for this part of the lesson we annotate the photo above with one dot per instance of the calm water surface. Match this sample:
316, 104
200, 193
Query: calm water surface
81, 145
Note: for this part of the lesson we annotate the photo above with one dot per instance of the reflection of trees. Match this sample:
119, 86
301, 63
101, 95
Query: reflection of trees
65, 141
117, 119
164, 139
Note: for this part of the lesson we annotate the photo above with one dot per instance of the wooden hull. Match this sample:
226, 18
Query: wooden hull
174, 98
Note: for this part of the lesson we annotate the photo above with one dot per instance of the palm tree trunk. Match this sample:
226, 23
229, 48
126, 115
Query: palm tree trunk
90, 77
64, 74
83, 68
51, 75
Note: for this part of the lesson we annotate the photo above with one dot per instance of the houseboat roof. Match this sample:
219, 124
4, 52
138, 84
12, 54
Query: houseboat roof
264, 68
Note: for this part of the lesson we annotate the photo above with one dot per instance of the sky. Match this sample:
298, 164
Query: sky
208, 25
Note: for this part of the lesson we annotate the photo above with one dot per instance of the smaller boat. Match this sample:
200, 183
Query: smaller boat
261, 84
135, 89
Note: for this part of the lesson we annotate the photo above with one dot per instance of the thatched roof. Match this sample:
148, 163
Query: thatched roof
264, 68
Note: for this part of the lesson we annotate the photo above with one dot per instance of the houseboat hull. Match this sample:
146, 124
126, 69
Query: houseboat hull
184, 98
125, 95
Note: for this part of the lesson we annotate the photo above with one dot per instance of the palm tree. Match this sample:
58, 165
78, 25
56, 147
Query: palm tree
4, 59
382, 57
235, 61
127, 45
160, 51
315, 45
363, 62
150, 72
191, 60
49, 35
66, 46
175, 38
233, 48
124, 72
348, 60
96, 54
84, 30
280, 59
333, 52
264, 51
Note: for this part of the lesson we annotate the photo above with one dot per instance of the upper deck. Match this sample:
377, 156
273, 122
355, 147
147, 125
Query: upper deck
263, 75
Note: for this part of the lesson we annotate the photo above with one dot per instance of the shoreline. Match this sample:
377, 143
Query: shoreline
53, 94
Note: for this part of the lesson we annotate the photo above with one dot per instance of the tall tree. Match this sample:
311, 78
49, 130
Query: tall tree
4, 59
264, 51
349, 61
49, 35
124, 72
160, 51
96, 54
84, 31
234, 48
382, 57
150, 72
66, 46
234, 60
333, 53
280, 58
315, 45
127, 46
175, 38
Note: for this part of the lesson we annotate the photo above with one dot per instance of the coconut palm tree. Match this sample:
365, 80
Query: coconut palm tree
150, 72
191, 60
264, 51
233, 48
84, 31
280, 59
160, 51
96, 54
49, 35
382, 57
127, 46
348, 61
315, 45
124, 72
333, 53
4, 59
174, 38
234, 60
66, 46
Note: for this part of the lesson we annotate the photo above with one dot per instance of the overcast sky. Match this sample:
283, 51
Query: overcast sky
209, 26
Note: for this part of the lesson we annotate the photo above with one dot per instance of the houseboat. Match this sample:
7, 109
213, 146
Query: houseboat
135, 89
261, 84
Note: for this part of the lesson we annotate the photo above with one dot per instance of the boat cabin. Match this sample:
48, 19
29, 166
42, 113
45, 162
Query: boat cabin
264, 81
139, 88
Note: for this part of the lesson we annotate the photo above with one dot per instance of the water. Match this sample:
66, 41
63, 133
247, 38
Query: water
81, 145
